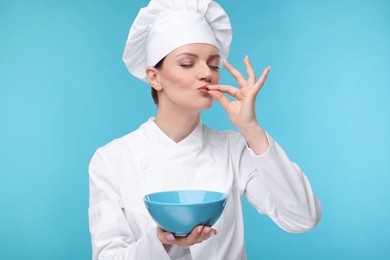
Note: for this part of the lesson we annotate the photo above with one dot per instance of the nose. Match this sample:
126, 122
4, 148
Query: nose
205, 73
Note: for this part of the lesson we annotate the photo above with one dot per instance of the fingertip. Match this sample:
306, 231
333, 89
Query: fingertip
207, 230
199, 229
170, 237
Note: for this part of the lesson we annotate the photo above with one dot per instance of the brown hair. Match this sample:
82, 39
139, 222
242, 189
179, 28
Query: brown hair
153, 91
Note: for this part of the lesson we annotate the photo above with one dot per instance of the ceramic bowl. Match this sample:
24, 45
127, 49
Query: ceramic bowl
180, 211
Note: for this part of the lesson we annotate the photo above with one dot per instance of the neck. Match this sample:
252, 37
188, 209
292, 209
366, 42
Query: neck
177, 125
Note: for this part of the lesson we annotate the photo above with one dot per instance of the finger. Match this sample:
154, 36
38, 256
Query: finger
235, 73
224, 101
249, 71
200, 234
232, 91
166, 238
262, 78
208, 232
192, 238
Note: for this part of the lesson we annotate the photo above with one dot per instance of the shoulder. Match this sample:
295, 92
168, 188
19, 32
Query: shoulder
119, 147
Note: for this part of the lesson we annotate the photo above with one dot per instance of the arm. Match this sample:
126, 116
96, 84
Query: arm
111, 235
112, 238
277, 187
280, 189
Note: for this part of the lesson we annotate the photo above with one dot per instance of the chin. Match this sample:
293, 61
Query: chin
207, 105
196, 103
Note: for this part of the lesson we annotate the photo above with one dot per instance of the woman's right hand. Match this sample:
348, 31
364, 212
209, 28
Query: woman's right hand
198, 235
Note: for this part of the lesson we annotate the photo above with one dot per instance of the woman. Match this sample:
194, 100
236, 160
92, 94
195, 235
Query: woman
177, 47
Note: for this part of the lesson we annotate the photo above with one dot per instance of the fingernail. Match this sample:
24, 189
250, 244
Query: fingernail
213, 232
200, 229
207, 230
170, 237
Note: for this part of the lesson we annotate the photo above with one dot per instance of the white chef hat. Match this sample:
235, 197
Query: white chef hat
165, 25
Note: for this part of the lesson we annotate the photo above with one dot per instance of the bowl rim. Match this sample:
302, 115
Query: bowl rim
223, 197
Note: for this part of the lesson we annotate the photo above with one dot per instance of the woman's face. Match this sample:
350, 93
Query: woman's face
185, 74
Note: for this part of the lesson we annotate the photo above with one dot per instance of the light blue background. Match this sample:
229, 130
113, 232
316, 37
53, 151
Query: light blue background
64, 91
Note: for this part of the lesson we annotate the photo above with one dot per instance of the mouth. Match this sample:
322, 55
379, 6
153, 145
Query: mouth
204, 89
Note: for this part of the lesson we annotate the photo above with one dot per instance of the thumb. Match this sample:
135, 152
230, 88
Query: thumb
217, 95
165, 237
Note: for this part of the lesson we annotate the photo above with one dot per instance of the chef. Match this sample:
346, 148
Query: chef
177, 48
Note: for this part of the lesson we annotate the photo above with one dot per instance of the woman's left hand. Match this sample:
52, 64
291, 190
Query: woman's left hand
242, 111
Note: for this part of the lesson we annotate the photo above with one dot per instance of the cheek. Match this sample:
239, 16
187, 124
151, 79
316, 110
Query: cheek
175, 85
176, 78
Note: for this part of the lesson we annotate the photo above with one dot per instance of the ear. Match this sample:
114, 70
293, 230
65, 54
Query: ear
152, 76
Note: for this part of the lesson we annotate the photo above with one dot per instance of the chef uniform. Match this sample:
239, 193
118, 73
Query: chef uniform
146, 160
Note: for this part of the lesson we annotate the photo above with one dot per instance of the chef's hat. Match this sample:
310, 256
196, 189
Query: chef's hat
165, 25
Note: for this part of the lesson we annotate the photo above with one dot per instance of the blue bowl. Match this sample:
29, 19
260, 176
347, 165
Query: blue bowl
180, 211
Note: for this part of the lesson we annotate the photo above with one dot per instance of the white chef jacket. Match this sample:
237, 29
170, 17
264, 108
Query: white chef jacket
147, 161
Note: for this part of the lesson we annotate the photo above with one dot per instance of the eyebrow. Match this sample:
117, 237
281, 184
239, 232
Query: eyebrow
196, 56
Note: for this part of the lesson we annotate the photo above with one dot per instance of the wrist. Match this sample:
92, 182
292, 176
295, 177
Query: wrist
251, 129
256, 139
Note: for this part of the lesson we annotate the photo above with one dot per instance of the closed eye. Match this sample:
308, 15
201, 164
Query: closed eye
213, 67
186, 65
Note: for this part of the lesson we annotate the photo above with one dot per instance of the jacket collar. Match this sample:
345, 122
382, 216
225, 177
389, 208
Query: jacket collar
159, 140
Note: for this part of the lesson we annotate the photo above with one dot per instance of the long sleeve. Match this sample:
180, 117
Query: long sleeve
111, 235
278, 188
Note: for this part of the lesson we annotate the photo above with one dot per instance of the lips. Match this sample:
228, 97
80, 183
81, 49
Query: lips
204, 89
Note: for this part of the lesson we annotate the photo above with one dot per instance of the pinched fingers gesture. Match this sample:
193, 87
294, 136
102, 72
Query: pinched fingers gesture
241, 111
